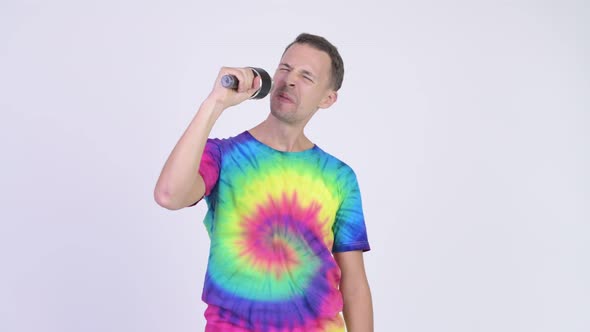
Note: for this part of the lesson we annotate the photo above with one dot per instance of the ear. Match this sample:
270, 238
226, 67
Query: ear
329, 99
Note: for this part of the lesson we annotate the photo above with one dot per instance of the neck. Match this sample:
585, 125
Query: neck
281, 136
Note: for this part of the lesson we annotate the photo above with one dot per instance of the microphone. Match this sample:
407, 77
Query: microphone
231, 82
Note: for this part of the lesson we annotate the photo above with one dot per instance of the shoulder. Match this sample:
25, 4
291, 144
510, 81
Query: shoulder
335, 163
227, 142
338, 172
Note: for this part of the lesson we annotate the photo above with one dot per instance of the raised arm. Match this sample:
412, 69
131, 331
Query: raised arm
180, 183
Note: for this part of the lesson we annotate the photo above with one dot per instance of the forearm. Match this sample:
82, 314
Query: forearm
179, 183
358, 308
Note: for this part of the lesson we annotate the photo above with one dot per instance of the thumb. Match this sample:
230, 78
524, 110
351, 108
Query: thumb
256, 84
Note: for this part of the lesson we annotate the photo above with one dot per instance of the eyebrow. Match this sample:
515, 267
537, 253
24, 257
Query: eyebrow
304, 71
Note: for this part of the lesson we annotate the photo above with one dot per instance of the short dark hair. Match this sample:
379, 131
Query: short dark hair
322, 44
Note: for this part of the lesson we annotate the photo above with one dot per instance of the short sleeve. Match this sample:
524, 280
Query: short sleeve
349, 228
210, 164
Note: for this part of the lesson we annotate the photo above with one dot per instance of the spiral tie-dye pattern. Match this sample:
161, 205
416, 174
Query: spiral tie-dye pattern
274, 219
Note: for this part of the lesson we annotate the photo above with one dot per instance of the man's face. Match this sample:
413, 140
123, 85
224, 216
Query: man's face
301, 84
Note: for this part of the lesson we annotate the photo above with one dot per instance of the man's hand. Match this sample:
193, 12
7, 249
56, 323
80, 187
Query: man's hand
248, 84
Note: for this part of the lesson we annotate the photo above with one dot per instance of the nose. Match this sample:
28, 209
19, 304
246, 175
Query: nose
290, 79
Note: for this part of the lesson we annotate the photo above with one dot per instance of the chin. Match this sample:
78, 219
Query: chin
277, 106
283, 115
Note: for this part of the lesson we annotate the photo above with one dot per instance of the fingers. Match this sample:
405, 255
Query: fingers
247, 86
256, 84
245, 77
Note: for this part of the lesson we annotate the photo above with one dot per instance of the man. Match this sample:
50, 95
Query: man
285, 218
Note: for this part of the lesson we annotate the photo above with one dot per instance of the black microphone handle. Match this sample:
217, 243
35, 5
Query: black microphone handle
230, 82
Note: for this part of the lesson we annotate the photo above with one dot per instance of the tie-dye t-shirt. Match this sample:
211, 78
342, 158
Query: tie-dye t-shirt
274, 219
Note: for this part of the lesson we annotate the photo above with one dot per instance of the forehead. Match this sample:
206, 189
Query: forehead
306, 57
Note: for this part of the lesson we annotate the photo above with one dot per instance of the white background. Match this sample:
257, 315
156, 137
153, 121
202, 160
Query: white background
467, 123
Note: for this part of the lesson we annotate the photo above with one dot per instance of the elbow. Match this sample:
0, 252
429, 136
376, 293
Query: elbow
165, 199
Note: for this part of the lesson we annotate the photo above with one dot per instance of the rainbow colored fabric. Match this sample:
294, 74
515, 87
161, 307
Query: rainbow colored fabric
274, 219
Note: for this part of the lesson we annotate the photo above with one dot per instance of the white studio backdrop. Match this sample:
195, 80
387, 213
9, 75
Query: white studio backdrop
467, 123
